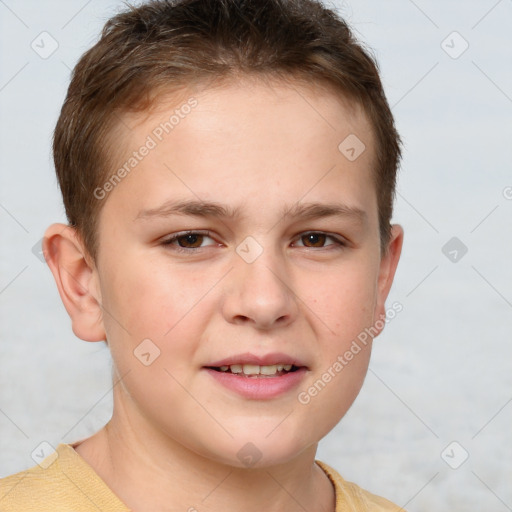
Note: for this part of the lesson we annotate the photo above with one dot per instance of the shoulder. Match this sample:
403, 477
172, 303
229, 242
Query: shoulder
26, 490
61, 482
352, 498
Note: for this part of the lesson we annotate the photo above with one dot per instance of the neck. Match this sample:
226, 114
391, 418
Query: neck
148, 472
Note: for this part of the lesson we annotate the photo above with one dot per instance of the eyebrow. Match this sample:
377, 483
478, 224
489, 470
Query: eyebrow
197, 208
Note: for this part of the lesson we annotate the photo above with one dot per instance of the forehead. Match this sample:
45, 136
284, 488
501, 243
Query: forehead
244, 138
248, 106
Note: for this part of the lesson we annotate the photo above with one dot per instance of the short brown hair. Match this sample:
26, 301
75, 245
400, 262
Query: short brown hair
167, 45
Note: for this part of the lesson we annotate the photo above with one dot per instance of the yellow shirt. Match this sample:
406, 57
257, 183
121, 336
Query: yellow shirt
64, 482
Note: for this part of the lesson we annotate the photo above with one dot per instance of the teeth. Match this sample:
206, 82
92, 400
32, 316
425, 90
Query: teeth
268, 370
254, 369
251, 369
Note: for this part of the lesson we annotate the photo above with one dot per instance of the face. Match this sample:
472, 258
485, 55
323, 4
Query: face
239, 260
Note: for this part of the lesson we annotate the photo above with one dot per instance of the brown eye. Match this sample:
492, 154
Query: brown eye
190, 241
314, 239
319, 240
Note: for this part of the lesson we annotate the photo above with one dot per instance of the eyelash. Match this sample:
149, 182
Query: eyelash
169, 241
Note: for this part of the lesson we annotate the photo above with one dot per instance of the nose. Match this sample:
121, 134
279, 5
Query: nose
260, 293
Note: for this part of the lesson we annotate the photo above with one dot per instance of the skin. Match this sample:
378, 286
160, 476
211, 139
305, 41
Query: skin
255, 147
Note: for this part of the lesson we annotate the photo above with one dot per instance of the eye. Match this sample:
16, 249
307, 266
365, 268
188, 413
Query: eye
191, 241
188, 240
318, 240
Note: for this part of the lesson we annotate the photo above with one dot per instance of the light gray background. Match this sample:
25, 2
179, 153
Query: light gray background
441, 372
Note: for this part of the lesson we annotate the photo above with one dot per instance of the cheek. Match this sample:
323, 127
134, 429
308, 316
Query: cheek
151, 298
167, 307
341, 302
328, 397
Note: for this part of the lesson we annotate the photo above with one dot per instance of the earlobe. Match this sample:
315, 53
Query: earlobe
388, 265
76, 279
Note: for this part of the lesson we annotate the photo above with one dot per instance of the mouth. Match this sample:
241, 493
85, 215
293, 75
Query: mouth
256, 371
258, 377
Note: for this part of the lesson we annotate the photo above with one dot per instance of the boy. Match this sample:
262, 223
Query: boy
228, 171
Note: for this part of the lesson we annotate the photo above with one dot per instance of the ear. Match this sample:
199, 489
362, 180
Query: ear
388, 264
77, 280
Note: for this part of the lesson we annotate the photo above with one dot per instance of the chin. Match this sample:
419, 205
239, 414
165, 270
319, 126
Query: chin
259, 450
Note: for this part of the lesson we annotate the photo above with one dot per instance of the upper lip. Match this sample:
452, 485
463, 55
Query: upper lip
263, 360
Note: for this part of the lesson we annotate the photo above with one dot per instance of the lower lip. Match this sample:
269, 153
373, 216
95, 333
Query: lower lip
259, 388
